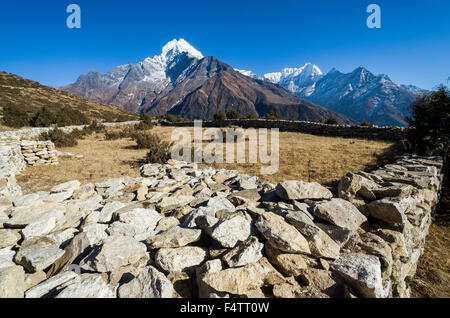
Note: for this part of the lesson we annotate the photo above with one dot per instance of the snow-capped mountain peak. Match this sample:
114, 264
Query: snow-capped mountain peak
177, 47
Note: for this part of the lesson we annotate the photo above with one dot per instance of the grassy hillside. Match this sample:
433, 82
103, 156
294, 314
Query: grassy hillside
23, 99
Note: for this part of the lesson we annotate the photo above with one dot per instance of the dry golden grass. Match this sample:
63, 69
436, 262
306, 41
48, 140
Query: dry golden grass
432, 279
302, 157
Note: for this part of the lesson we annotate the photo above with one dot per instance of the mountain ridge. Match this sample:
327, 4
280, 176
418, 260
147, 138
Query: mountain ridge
159, 84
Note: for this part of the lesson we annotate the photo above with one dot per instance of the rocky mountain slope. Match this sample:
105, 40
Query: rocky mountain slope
360, 94
183, 82
30, 96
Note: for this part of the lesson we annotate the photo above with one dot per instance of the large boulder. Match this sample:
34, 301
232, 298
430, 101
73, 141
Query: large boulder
176, 236
287, 263
182, 259
320, 244
391, 210
239, 281
282, 235
12, 282
230, 232
38, 256
362, 272
91, 286
9, 238
150, 283
341, 213
48, 288
299, 190
245, 253
113, 253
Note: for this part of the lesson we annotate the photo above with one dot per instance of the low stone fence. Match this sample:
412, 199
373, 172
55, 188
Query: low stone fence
361, 132
181, 231
39, 152
34, 132
15, 156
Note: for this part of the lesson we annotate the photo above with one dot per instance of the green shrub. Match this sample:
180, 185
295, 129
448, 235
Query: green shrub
44, 118
274, 115
233, 114
173, 118
146, 122
70, 117
366, 124
253, 116
113, 135
219, 115
93, 127
430, 123
159, 150
331, 121
15, 117
59, 138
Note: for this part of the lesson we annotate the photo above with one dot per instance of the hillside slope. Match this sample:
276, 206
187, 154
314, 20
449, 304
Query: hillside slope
29, 96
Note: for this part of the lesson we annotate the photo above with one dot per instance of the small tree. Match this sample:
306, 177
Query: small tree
14, 116
219, 115
331, 121
430, 123
159, 150
44, 118
146, 122
365, 123
233, 114
253, 115
274, 115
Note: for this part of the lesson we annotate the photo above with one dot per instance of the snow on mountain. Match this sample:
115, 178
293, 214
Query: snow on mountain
296, 79
249, 74
131, 85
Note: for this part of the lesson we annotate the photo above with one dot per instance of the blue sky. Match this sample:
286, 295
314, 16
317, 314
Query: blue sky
412, 47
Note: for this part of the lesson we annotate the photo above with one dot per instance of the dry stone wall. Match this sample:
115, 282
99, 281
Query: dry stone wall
29, 133
181, 231
362, 132
39, 152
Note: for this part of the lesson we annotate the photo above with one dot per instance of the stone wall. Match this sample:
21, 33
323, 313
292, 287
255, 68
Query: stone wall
11, 163
39, 152
15, 155
374, 133
29, 133
181, 231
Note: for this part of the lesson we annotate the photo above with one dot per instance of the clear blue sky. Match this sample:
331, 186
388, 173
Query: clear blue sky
412, 47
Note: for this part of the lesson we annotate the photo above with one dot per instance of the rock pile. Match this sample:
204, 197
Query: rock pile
15, 155
180, 231
39, 152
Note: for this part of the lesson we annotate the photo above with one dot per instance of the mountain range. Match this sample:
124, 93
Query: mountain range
360, 94
182, 81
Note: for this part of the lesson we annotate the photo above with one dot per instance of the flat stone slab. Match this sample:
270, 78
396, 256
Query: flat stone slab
38, 256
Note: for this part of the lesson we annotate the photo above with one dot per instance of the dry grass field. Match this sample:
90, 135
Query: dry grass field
302, 157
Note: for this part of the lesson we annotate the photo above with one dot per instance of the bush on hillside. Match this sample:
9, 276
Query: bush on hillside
220, 115
159, 150
253, 116
331, 121
15, 117
430, 123
59, 138
234, 114
430, 133
273, 115
43, 118
146, 122
366, 124
70, 117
